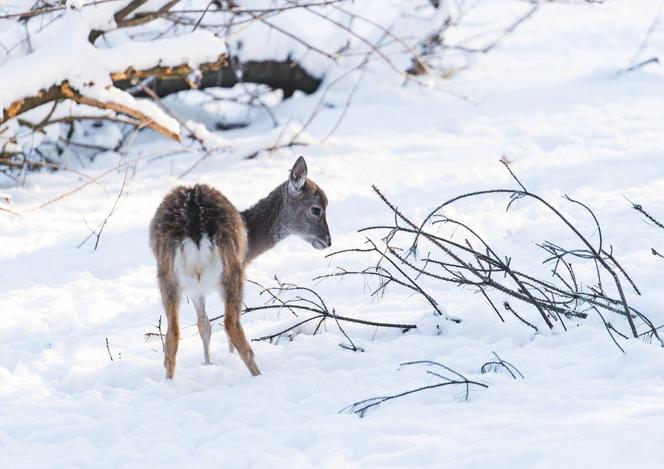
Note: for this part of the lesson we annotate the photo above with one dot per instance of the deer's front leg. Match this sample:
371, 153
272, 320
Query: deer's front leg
232, 284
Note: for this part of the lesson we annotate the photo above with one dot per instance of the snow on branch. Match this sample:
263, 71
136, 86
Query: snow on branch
71, 68
146, 113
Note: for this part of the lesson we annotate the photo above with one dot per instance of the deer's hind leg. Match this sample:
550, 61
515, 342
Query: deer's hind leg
232, 285
170, 296
231, 348
204, 326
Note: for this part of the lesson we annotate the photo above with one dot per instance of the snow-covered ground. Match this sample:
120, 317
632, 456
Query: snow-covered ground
547, 98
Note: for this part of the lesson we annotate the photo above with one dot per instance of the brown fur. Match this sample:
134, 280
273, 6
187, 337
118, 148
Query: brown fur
201, 212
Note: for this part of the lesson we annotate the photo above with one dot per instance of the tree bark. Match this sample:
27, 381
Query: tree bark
287, 76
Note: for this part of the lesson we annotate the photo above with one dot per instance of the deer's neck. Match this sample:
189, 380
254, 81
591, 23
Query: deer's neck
265, 223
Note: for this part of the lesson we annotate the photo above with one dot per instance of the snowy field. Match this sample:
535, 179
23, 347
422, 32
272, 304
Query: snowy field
547, 98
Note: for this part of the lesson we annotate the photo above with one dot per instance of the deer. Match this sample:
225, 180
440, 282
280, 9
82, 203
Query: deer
202, 243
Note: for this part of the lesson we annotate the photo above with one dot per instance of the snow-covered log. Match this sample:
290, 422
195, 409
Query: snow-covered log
287, 75
109, 98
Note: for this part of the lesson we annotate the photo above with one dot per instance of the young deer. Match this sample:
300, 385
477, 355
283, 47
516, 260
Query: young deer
203, 243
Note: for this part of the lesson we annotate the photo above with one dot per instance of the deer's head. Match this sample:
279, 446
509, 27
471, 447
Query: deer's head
306, 206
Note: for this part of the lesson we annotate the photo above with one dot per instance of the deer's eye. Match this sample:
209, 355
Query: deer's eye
316, 211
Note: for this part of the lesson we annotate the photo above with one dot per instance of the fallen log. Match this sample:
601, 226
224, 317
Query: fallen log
66, 91
287, 75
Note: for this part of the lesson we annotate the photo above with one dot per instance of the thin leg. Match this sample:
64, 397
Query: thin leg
231, 349
204, 326
170, 296
232, 283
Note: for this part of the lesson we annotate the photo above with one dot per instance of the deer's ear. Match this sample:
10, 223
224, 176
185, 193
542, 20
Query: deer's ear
298, 174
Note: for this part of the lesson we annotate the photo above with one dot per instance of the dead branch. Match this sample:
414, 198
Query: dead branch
108, 349
98, 231
95, 179
639, 208
26, 15
298, 299
122, 21
361, 408
119, 16
500, 364
66, 91
294, 37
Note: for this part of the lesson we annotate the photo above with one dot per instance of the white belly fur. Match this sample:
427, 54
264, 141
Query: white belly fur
198, 268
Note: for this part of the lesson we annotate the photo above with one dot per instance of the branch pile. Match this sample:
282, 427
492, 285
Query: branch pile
457, 254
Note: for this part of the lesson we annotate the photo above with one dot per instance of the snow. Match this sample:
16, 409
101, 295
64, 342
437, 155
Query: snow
63, 51
547, 98
79, 62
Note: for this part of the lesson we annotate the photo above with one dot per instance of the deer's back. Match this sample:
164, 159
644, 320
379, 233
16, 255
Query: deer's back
194, 233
